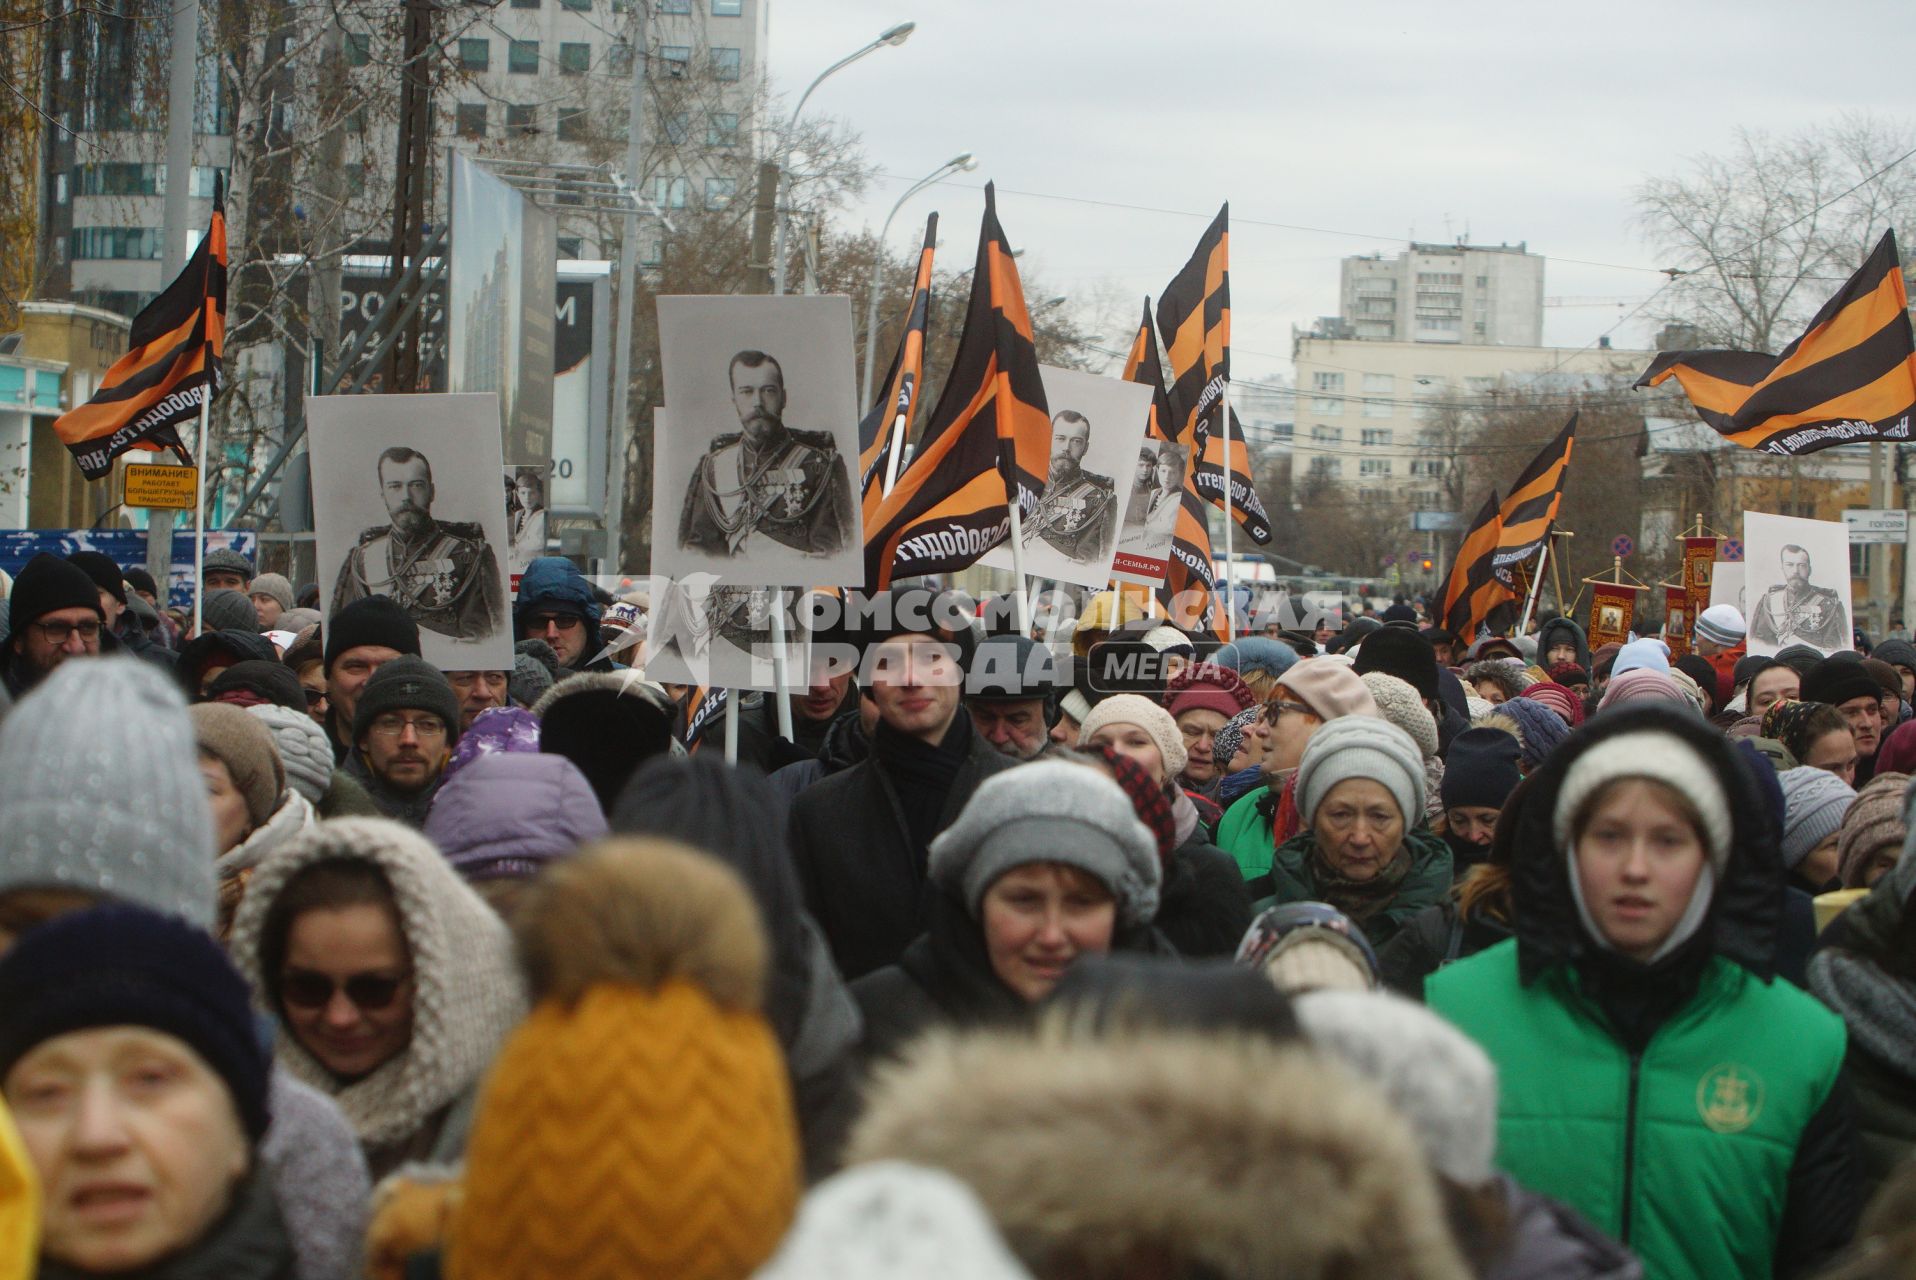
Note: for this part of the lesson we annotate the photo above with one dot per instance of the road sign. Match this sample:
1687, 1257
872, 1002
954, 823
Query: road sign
1623, 546
166, 488
1733, 549
1435, 521
1877, 526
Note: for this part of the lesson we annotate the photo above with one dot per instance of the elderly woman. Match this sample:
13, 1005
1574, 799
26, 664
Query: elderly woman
1203, 699
1360, 795
129, 1059
1047, 862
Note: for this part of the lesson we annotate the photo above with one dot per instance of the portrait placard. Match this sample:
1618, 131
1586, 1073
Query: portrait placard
752, 480
406, 495
1097, 428
1796, 574
1726, 586
526, 490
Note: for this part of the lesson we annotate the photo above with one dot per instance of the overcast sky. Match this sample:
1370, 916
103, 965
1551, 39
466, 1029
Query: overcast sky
1366, 120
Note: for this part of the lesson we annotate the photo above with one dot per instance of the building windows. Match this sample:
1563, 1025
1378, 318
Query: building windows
522, 57
670, 193
1379, 384
475, 54
1440, 279
579, 6
675, 6
1377, 435
571, 247
359, 48
525, 4
1328, 406
356, 180
1321, 434
1431, 467
575, 59
126, 179
522, 120
469, 120
1483, 282
356, 120
727, 8
678, 127
719, 192
618, 58
1373, 466
573, 126
1327, 382
1441, 324
1480, 386
725, 64
1379, 408
105, 243
721, 129
677, 60
1326, 468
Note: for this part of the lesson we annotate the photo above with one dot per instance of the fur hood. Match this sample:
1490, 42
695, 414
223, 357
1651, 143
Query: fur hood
1173, 1152
614, 682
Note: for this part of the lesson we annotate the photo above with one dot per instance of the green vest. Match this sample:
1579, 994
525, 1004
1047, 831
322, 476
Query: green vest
1684, 1154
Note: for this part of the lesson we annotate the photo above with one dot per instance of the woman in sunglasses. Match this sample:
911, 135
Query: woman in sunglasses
393, 982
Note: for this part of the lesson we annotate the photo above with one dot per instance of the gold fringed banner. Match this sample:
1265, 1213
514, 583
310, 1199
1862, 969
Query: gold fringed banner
1677, 618
1613, 607
1699, 554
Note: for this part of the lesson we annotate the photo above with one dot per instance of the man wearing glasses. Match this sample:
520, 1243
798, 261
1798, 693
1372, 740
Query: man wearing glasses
54, 615
404, 729
557, 605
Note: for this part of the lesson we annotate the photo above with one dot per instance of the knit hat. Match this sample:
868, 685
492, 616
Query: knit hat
370, 620
1209, 687
120, 966
607, 723
407, 684
1659, 757
1799, 658
228, 610
647, 1048
1837, 680
140, 580
1304, 960
265, 682
297, 620
1542, 730
304, 750
1649, 653
228, 559
552, 813
1050, 811
104, 571
1721, 624
1329, 689
274, 585
1898, 752
1569, 675
1252, 656
1434, 1075
1481, 770
529, 679
1885, 675
100, 790
1559, 699
1814, 802
1400, 705
1132, 708
1165, 638
309, 646
48, 584
1873, 824
1150, 799
888, 1219
246, 748
1228, 741
1400, 652
1361, 747
1643, 684
542, 653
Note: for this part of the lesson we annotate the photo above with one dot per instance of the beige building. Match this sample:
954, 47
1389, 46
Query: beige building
55, 360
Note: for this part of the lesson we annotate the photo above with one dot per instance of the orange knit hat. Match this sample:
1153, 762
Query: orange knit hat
639, 1122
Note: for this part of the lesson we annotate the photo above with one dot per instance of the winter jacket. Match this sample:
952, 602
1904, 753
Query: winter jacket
1547, 635
1694, 1109
555, 579
1435, 937
1294, 878
248, 1242
1551, 1241
319, 1179
845, 745
511, 812
1203, 905
1245, 831
345, 798
862, 872
234, 867
135, 639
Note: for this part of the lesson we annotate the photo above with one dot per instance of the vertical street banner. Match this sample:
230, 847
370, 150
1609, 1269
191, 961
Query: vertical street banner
891, 414
988, 437
1613, 608
1851, 376
172, 367
1677, 619
1474, 588
1531, 506
1699, 557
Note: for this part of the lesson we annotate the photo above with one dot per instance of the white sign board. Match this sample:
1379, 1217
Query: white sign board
1877, 526
1796, 579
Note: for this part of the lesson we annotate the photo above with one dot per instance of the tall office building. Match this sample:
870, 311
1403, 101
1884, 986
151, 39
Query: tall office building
1473, 295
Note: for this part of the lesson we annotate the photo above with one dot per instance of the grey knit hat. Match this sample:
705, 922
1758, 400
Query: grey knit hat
274, 585
407, 683
1814, 802
101, 790
1361, 747
1050, 811
529, 679
228, 610
303, 749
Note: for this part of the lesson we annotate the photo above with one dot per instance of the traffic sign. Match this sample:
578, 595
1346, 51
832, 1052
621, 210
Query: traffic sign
1435, 521
165, 488
1733, 549
1623, 546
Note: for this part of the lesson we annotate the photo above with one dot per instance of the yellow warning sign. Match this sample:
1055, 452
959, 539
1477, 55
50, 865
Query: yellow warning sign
171, 488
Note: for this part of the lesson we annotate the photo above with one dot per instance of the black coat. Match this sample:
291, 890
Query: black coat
1434, 938
1204, 906
863, 876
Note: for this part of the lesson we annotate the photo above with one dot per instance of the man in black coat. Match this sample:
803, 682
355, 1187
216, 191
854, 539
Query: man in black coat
861, 837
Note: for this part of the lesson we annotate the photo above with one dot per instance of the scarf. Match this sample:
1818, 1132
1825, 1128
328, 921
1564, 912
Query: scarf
1878, 1009
1358, 899
922, 773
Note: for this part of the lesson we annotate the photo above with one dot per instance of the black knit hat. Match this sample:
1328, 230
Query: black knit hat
1837, 680
1400, 652
140, 580
104, 571
1481, 770
272, 681
119, 966
408, 683
46, 584
371, 620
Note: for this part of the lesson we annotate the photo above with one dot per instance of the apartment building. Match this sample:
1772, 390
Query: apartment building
1461, 294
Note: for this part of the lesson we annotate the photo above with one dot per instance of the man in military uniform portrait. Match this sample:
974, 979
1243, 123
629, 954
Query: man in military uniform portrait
441, 572
1078, 511
1796, 612
789, 486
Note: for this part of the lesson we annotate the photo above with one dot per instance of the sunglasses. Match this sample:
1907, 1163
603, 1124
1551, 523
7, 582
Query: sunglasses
563, 621
305, 989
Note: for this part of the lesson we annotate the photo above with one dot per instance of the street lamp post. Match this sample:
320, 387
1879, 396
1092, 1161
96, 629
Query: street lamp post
894, 35
963, 163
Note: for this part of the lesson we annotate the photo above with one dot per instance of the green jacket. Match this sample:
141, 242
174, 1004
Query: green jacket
1684, 1153
1245, 834
1292, 879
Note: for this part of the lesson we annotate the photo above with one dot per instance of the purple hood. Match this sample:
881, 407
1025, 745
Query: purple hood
510, 813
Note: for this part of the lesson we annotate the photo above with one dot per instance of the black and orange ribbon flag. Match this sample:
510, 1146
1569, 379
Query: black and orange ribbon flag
1851, 377
989, 435
1191, 567
172, 369
1530, 508
898, 397
1474, 588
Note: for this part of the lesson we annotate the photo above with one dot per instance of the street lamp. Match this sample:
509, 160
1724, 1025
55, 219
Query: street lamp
964, 162
893, 35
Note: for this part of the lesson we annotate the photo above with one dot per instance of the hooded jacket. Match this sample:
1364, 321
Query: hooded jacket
551, 580
1693, 1109
1547, 635
467, 990
511, 812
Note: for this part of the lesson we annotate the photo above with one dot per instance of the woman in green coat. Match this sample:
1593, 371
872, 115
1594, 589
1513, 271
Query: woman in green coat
1654, 1075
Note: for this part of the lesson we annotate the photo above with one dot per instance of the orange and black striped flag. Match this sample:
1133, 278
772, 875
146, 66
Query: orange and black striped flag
891, 413
172, 369
1851, 377
988, 437
1189, 566
1246, 507
1531, 506
1474, 588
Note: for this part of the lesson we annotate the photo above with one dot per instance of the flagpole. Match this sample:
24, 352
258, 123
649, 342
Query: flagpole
731, 726
199, 508
781, 669
891, 454
1536, 586
1230, 568
1023, 614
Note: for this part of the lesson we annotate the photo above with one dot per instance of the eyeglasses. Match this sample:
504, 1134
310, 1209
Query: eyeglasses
563, 621
58, 633
394, 727
314, 697
1274, 710
305, 989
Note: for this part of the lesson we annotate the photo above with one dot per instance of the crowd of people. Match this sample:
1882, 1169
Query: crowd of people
1367, 951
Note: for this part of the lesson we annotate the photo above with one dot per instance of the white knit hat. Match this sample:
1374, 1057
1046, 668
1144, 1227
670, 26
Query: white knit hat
886, 1219
1659, 757
1164, 637
303, 748
1403, 707
1361, 747
1722, 624
1132, 708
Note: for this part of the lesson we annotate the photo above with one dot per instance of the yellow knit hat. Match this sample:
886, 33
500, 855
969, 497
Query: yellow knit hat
639, 1122
19, 1204
1103, 613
